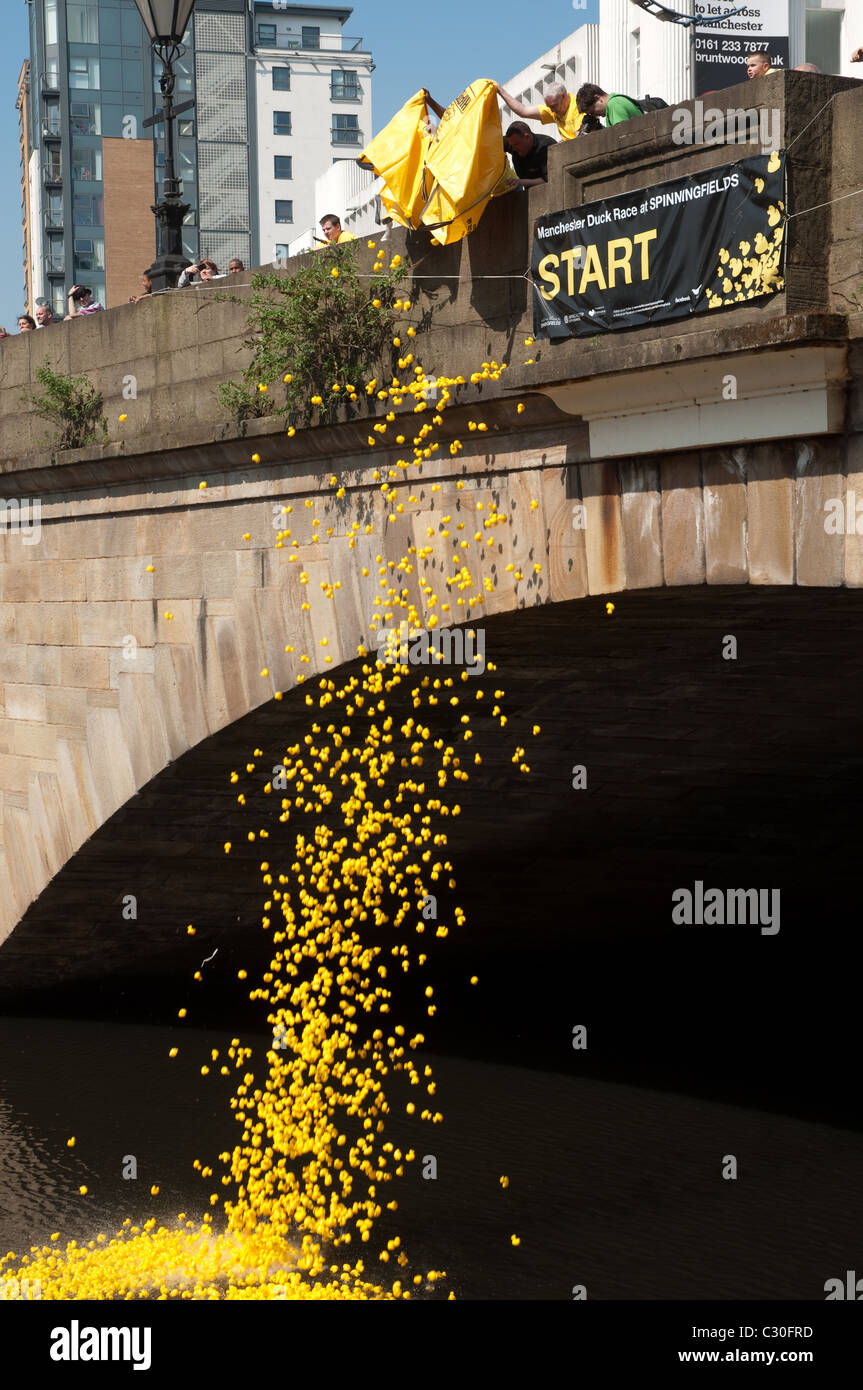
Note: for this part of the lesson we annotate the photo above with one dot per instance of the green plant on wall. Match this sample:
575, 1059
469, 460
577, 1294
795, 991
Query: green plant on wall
70, 403
323, 327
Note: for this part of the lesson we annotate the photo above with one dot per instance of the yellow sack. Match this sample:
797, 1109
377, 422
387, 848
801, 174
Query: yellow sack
465, 163
397, 155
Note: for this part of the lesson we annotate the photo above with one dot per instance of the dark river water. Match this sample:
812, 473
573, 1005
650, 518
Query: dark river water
614, 1187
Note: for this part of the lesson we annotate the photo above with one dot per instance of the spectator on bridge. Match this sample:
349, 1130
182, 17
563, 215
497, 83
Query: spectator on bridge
81, 302
594, 101
147, 290
206, 271
4, 334
26, 324
758, 65
44, 315
808, 67
331, 227
560, 107
235, 266
529, 153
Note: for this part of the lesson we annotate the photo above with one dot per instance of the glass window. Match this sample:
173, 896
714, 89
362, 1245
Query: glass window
50, 21
186, 128
58, 300
281, 79
86, 163
52, 72
89, 253
85, 117
823, 30
82, 22
284, 210
345, 130
54, 210
88, 210
52, 117
344, 85
133, 75
281, 251
311, 36
267, 35
282, 166
54, 262
281, 122
83, 72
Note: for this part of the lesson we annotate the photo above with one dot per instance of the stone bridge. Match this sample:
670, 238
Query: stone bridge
628, 468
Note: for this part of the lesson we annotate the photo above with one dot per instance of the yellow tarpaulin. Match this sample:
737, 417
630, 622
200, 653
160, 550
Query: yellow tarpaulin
466, 161
397, 156
443, 181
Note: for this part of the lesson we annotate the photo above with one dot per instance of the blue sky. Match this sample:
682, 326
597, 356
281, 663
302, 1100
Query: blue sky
442, 45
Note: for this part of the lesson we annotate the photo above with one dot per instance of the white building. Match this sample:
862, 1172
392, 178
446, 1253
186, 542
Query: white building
313, 88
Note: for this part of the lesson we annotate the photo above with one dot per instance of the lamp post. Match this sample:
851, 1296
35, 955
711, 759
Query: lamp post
166, 22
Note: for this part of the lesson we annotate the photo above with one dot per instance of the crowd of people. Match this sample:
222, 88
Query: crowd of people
579, 113
80, 299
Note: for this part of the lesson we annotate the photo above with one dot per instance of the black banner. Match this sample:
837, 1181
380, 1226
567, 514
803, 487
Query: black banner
704, 242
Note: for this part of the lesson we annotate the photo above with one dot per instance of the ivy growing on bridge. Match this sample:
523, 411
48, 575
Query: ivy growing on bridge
321, 328
70, 403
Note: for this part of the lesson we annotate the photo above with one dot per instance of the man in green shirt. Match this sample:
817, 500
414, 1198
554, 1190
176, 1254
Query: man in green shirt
593, 101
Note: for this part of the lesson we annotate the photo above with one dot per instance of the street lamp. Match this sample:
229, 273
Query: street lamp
166, 22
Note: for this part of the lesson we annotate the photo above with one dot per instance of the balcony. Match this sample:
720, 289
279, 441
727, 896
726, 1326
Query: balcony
326, 43
51, 129
53, 221
49, 82
52, 176
55, 264
346, 137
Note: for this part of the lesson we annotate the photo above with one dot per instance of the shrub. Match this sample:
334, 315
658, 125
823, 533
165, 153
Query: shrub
72, 404
323, 328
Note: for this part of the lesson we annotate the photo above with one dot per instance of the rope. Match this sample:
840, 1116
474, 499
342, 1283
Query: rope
812, 122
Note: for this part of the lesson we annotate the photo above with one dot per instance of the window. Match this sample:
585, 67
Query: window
88, 210
83, 72
281, 122
267, 35
53, 166
635, 60
54, 210
345, 130
89, 253
281, 79
282, 166
284, 210
85, 117
51, 121
311, 36
344, 85
186, 128
86, 163
282, 252
823, 31
54, 263
50, 21
82, 22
